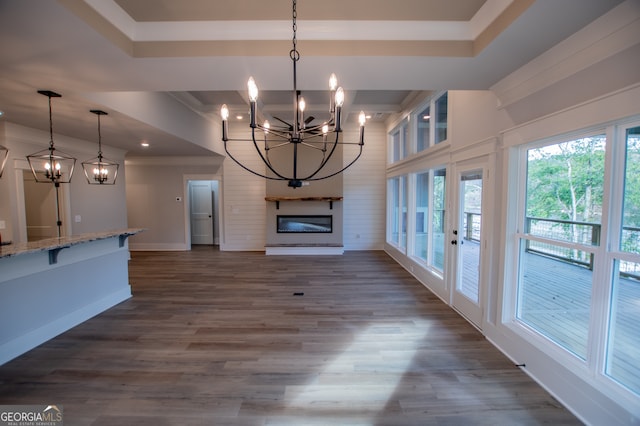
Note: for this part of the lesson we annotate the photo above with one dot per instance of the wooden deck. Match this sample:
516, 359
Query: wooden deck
226, 338
556, 301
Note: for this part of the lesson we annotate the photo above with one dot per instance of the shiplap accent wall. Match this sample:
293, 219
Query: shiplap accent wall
365, 192
244, 204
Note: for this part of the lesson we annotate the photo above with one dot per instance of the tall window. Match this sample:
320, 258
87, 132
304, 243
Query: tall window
397, 211
569, 258
562, 226
623, 352
429, 214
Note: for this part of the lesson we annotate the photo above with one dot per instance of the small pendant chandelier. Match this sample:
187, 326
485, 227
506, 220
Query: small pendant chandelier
51, 165
301, 140
4, 155
99, 170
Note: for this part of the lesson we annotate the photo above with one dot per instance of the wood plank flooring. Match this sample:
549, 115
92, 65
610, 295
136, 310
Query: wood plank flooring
221, 338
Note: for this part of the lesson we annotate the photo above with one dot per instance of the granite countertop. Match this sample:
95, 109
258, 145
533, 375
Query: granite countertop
63, 242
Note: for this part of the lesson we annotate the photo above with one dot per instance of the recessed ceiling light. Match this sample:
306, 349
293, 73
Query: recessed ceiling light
145, 144
1, 113
238, 117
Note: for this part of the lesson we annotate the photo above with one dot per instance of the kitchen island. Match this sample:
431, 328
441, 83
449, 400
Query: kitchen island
49, 286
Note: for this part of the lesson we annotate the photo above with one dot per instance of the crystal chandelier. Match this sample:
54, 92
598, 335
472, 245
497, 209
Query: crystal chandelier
99, 170
51, 165
299, 140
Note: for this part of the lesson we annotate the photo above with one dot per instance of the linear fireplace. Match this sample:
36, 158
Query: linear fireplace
305, 224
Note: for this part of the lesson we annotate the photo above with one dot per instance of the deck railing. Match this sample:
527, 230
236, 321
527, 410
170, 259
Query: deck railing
585, 233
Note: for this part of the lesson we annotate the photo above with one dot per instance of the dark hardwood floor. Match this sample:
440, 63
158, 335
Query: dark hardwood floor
224, 338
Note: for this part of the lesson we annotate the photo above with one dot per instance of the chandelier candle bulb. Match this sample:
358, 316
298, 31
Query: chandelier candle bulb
302, 105
333, 85
253, 97
224, 113
253, 89
339, 102
362, 118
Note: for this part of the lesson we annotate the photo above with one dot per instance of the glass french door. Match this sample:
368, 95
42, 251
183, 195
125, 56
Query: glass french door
466, 243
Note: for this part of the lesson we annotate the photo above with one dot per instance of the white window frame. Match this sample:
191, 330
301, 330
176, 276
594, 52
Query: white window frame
605, 254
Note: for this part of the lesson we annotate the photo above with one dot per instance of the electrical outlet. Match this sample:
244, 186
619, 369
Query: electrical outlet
78, 218
3, 225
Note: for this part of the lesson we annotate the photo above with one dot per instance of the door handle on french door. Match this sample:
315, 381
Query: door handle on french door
454, 242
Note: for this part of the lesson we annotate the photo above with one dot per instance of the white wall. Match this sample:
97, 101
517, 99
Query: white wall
152, 188
365, 192
244, 204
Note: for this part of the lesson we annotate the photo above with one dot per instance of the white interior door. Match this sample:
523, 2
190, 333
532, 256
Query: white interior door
467, 243
201, 212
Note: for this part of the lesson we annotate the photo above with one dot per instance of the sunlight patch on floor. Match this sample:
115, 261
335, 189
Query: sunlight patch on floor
362, 379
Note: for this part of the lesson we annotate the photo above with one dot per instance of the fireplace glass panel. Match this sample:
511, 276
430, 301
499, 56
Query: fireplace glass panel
305, 224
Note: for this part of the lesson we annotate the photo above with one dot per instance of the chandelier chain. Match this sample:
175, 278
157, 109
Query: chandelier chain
50, 125
294, 54
99, 140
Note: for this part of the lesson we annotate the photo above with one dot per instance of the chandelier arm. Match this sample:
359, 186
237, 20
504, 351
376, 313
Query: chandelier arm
326, 159
264, 160
279, 145
339, 171
308, 144
248, 169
